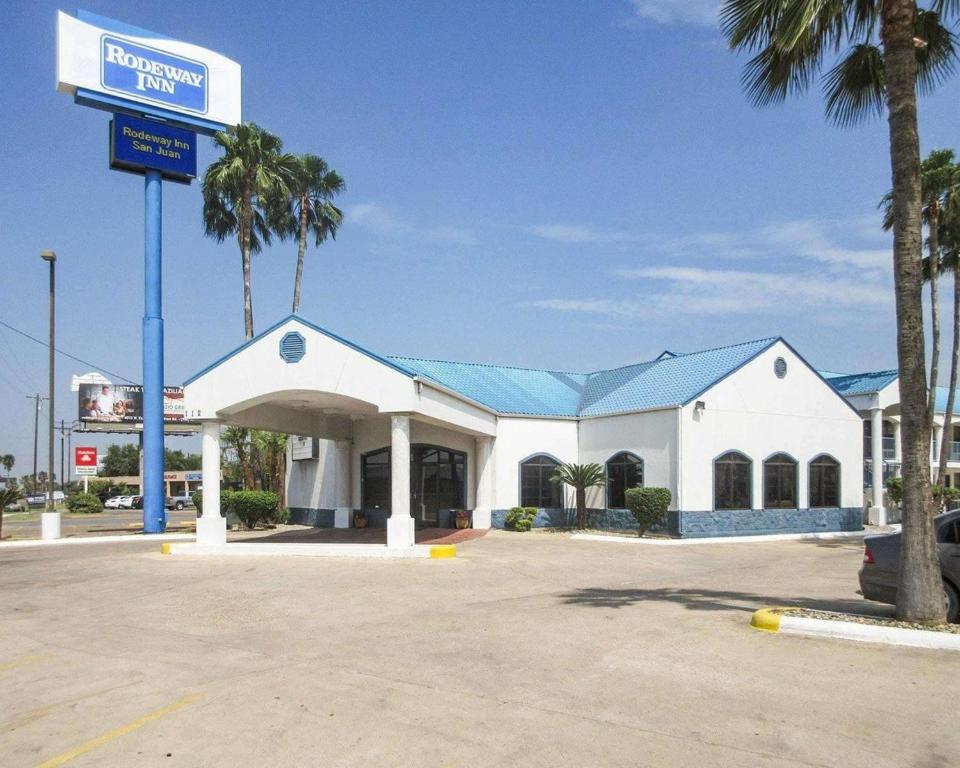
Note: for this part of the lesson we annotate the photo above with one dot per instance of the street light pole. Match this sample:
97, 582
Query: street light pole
50, 525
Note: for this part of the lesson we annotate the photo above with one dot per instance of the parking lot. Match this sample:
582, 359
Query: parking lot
526, 649
26, 525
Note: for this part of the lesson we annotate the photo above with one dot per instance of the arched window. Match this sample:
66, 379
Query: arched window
824, 482
732, 481
625, 470
780, 482
536, 489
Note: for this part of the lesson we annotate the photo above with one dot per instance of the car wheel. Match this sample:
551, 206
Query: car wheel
952, 602
179, 506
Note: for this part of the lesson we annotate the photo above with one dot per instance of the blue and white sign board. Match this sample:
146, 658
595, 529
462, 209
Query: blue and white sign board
137, 144
117, 67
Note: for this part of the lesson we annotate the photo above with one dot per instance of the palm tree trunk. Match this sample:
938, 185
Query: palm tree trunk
246, 223
934, 260
919, 591
301, 250
945, 440
581, 508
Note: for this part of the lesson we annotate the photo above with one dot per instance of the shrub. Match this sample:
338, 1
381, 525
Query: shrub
84, 503
950, 497
197, 498
648, 507
252, 508
895, 489
521, 518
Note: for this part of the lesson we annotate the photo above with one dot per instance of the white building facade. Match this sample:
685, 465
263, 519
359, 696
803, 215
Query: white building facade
748, 439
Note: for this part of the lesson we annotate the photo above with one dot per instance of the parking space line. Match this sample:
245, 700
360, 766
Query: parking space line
116, 733
25, 660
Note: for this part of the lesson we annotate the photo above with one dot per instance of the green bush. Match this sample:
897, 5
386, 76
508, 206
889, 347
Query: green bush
950, 497
252, 508
648, 507
197, 498
895, 489
521, 518
84, 503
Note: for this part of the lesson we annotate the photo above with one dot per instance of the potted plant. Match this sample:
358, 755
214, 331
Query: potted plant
359, 520
463, 518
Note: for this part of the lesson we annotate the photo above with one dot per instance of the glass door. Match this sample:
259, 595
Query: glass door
428, 501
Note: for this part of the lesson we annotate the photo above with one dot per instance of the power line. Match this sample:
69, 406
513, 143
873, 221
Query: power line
67, 354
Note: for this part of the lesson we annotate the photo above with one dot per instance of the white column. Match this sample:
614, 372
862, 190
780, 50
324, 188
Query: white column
482, 511
400, 526
877, 514
344, 461
211, 527
935, 449
897, 453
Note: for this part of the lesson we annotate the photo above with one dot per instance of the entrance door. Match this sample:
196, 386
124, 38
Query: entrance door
437, 482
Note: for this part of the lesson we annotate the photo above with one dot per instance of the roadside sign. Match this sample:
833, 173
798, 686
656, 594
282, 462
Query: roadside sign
85, 461
137, 144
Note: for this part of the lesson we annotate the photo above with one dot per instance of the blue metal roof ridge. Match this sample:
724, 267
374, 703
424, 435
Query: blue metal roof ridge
674, 355
308, 324
484, 365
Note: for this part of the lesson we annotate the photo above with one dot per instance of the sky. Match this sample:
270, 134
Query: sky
564, 184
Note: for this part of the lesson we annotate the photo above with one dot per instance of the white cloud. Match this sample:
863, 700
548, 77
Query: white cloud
784, 268
698, 12
387, 224
577, 233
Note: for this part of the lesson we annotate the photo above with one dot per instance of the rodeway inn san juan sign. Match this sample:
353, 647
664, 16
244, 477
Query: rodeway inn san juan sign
162, 93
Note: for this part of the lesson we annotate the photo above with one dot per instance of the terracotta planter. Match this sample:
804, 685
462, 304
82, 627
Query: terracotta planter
463, 522
359, 521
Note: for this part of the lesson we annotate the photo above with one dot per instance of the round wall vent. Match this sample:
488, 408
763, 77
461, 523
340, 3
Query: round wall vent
293, 347
780, 367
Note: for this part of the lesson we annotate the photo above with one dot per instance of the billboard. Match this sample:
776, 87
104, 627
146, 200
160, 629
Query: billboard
106, 403
119, 67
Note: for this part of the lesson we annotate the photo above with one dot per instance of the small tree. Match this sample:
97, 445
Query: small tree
648, 507
580, 477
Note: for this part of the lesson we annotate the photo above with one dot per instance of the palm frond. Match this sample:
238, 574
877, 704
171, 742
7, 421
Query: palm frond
854, 88
936, 61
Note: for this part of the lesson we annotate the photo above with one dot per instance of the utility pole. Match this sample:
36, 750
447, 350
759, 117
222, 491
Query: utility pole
50, 520
36, 431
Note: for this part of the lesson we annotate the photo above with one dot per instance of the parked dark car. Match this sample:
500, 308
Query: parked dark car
138, 502
881, 564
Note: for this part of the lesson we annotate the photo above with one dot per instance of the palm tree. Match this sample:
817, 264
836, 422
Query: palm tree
8, 496
939, 178
271, 448
8, 460
238, 438
580, 477
894, 50
237, 190
312, 188
950, 261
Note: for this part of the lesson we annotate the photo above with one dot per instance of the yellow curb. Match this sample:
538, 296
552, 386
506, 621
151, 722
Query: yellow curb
766, 619
164, 549
443, 550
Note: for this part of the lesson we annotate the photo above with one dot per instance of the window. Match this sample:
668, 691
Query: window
623, 471
732, 481
536, 489
780, 482
375, 479
824, 482
949, 533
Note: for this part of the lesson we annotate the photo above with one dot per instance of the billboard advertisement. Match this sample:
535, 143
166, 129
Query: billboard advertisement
114, 66
105, 403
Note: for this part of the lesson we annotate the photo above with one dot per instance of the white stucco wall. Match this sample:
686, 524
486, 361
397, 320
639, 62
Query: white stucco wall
311, 483
652, 436
758, 414
519, 438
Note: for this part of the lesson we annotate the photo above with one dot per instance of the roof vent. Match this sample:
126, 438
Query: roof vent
293, 347
780, 367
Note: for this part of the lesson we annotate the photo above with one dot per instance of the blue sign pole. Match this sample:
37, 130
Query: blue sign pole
154, 495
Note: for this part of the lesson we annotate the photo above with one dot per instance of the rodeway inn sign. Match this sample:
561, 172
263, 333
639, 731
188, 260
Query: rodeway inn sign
119, 67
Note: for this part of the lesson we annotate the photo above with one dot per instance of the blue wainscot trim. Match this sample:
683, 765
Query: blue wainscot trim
318, 518
598, 519
755, 522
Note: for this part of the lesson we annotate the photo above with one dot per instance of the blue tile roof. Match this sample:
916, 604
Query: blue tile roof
660, 383
860, 383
